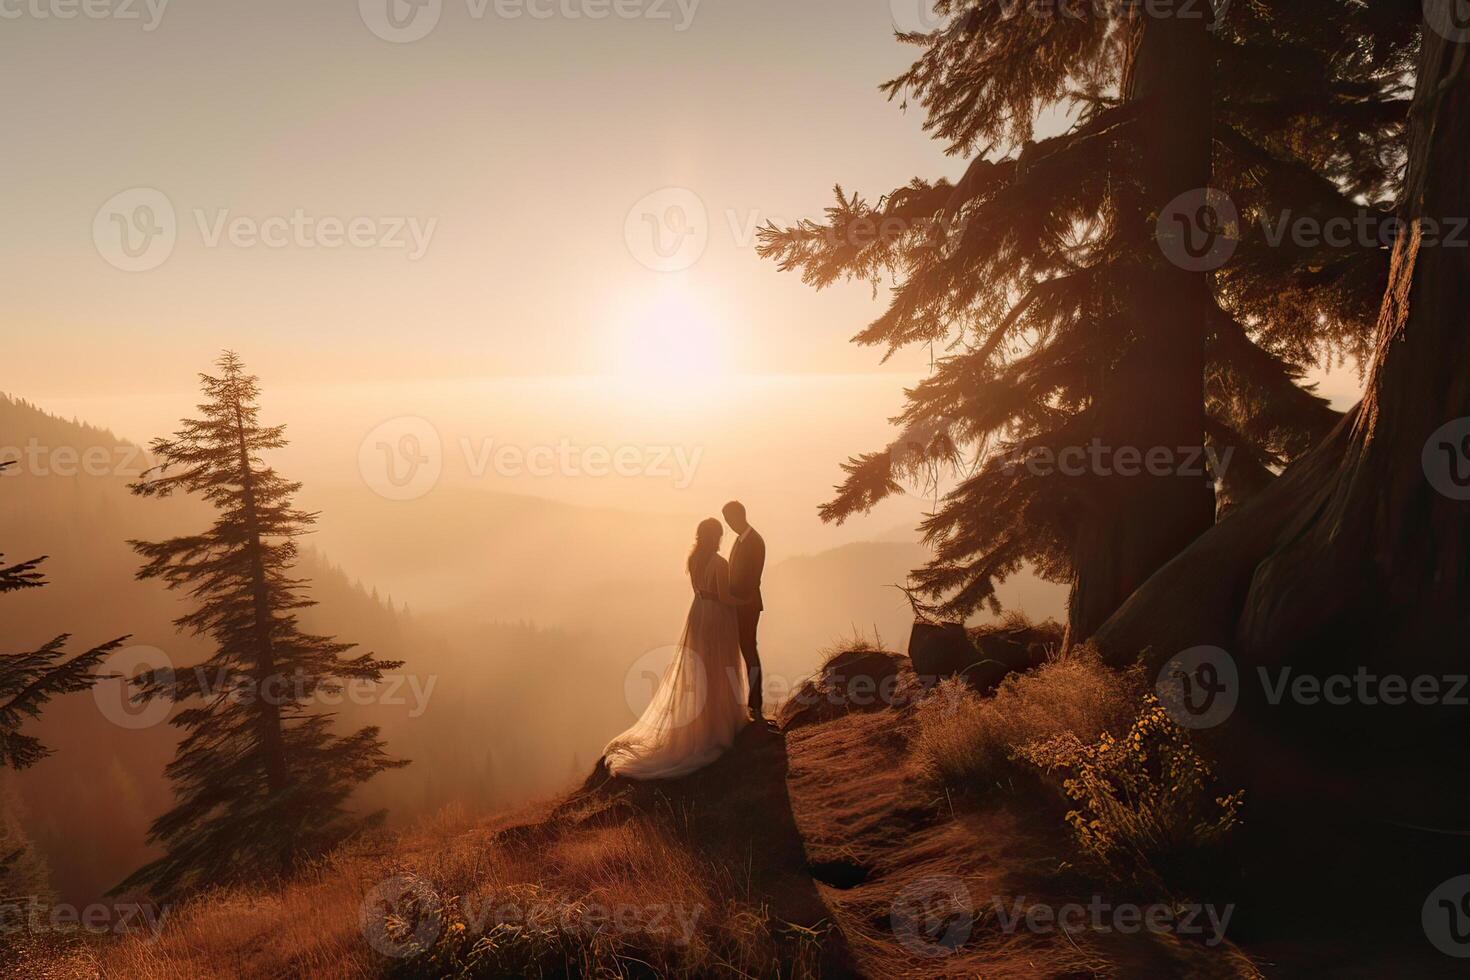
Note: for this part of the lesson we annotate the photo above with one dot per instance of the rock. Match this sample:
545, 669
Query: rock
986, 675
1018, 645
939, 650
854, 680
983, 655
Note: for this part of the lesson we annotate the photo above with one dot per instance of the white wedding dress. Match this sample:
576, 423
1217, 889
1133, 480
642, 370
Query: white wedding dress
699, 707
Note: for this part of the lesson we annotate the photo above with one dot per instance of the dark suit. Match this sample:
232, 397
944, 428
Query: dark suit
747, 562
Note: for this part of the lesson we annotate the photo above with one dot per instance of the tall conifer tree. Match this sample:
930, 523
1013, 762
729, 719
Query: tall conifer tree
28, 681
1059, 318
260, 779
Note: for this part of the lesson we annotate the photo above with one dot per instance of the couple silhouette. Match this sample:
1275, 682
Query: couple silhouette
698, 708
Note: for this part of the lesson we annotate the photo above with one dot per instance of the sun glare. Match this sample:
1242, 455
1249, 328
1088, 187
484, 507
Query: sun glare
671, 339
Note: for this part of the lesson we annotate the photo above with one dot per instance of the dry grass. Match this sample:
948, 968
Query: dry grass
855, 674
451, 898
970, 742
310, 926
1148, 806
859, 642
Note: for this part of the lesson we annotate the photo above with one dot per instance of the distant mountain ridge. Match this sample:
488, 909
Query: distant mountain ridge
512, 682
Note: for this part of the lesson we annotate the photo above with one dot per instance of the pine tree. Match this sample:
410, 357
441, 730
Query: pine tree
29, 680
1357, 558
1060, 321
260, 780
1357, 541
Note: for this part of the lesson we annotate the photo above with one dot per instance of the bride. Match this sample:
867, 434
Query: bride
700, 704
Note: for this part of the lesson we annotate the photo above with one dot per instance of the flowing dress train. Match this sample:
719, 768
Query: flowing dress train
699, 707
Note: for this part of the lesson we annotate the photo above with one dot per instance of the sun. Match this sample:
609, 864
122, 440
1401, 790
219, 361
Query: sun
671, 339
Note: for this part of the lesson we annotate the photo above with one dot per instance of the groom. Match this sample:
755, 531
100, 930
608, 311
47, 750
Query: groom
747, 561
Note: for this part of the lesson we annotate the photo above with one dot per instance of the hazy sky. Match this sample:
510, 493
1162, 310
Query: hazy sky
517, 144
419, 212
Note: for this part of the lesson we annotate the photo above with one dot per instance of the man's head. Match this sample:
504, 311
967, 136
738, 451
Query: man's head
734, 513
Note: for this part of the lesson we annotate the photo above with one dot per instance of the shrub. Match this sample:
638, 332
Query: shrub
1145, 807
969, 741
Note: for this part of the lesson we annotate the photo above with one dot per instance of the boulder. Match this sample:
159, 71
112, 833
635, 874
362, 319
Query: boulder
854, 680
939, 650
983, 655
1017, 644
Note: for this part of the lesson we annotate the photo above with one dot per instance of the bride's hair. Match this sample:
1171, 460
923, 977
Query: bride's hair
706, 544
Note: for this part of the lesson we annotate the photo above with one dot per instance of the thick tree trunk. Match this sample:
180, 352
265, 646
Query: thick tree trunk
1356, 530
1155, 397
1381, 537
1358, 557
